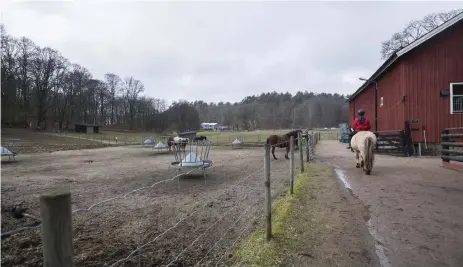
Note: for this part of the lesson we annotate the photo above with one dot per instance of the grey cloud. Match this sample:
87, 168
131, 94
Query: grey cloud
221, 51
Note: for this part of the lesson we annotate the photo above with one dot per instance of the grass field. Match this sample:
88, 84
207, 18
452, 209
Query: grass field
29, 141
17, 137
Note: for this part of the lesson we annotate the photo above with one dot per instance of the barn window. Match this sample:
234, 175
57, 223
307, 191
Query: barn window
456, 98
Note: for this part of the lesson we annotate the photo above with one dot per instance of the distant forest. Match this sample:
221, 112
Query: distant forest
42, 89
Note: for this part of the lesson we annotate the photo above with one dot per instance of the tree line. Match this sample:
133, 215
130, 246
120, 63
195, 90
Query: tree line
44, 90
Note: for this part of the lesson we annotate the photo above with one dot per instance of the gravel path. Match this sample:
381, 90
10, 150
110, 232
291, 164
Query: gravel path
415, 206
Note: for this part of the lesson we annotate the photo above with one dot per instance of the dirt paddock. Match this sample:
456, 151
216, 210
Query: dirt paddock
111, 231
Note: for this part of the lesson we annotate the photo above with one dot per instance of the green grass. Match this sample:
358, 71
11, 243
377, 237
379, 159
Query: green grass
12, 136
257, 137
294, 224
217, 138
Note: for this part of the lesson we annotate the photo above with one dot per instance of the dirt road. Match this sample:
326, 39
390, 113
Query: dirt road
415, 206
109, 232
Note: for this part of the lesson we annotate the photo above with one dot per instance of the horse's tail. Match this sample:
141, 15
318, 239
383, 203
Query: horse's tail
369, 155
268, 141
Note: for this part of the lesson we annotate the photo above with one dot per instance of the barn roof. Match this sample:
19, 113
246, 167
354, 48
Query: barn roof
389, 61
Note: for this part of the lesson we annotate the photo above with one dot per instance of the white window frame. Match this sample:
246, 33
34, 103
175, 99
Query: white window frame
451, 98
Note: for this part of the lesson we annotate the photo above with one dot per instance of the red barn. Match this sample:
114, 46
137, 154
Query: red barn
421, 83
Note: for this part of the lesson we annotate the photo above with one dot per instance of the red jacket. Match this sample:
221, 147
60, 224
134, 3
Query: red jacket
358, 126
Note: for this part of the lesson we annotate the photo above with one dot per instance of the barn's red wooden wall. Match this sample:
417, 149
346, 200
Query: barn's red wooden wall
428, 69
419, 75
391, 114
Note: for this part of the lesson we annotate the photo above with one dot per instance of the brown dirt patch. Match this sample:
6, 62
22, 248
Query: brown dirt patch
111, 231
26, 141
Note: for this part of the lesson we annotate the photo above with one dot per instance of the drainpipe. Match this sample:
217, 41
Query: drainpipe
376, 100
376, 106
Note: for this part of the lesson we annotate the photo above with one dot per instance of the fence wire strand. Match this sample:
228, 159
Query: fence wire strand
180, 221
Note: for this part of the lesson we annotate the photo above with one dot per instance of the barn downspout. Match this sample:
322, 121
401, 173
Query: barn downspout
376, 100
376, 105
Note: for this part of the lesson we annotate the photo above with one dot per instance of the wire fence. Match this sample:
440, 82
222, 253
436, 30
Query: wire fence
54, 214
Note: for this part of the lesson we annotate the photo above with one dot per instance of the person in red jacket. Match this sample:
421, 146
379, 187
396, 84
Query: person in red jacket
361, 123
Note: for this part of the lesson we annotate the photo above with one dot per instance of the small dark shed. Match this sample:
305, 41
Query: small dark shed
86, 128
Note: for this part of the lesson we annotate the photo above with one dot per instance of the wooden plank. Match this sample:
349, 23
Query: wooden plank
291, 165
55, 212
450, 152
452, 165
301, 153
452, 135
453, 129
268, 194
452, 158
445, 145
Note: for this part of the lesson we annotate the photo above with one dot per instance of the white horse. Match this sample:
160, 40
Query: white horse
363, 143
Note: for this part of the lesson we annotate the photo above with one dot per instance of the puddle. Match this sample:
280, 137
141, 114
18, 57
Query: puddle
379, 248
342, 177
383, 261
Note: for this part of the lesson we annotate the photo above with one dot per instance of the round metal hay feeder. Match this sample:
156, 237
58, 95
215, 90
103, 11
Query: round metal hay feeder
192, 156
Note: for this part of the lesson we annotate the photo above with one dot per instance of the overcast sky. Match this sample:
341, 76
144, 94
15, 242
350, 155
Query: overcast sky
220, 51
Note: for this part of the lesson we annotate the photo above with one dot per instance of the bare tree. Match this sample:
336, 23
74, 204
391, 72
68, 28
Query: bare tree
415, 30
132, 89
44, 66
113, 83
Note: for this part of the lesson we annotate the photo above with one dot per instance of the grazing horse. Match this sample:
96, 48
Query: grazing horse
280, 141
177, 141
294, 134
200, 138
363, 143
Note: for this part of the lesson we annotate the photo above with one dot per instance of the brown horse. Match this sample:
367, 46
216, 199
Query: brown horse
294, 134
280, 141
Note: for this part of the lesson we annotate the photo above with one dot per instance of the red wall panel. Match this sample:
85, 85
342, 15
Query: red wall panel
419, 76
428, 69
391, 113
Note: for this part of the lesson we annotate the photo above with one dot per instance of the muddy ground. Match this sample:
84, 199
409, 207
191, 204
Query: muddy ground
27, 141
415, 206
113, 230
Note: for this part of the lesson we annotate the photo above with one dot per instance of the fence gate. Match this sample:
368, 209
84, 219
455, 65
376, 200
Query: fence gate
452, 148
391, 142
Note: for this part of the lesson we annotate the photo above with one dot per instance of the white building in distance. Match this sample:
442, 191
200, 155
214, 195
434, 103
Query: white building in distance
210, 126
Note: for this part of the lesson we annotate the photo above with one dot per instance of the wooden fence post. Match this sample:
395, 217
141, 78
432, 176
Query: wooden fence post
268, 202
310, 141
291, 165
301, 153
307, 148
55, 212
